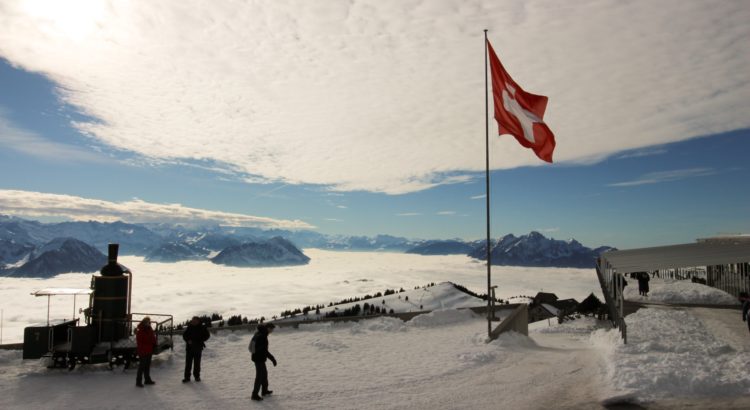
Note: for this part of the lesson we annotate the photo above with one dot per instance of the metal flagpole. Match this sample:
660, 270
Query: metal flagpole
487, 186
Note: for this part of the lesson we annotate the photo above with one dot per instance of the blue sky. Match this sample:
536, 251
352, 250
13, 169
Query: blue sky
106, 115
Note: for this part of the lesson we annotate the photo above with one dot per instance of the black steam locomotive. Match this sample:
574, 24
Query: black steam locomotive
107, 336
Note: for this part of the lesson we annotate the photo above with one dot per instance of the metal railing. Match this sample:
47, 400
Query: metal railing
164, 326
613, 284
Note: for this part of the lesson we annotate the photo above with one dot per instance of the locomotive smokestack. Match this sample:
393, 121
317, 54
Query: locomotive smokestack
112, 268
113, 249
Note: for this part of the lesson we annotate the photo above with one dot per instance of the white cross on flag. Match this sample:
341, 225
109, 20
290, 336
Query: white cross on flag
519, 113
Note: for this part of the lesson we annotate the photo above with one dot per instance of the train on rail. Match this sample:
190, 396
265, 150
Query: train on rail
106, 334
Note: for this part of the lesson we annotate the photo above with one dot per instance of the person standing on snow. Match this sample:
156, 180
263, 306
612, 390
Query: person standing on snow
745, 308
259, 350
195, 335
146, 342
643, 279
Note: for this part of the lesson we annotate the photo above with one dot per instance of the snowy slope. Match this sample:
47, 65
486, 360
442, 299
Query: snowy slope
441, 296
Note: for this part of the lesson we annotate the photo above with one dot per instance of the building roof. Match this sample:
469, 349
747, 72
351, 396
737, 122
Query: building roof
551, 309
545, 297
565, 304
704, 253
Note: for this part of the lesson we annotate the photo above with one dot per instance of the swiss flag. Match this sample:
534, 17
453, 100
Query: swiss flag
519, 113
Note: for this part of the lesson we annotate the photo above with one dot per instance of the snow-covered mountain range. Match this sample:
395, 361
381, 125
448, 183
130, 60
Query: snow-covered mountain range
21, 241
534, 249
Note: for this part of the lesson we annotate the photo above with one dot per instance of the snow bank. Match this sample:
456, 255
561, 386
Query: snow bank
435, 318
582, 326
679, 291
382, 324
7, 356
443, 317
670, 353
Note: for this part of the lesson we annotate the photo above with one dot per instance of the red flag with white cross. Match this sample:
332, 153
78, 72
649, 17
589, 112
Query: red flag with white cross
518, 112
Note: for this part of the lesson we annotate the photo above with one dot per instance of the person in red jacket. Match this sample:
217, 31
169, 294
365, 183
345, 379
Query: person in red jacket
145, 338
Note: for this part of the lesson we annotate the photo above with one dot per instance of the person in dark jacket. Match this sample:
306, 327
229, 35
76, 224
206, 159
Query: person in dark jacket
146, 342
259, 350
643, 280
195, 335
745, 300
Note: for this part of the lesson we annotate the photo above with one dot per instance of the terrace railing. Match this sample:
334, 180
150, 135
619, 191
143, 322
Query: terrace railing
613, 284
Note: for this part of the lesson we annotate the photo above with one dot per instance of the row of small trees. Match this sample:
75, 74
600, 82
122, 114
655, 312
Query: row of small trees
234, 320
482, 296
356, 310
366, 297
307, 309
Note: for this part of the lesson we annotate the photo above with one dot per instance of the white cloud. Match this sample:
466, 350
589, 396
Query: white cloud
30, 143
666, 176
445, 213
36, 204
479, 196
643, 153
409, 214
382, 95
548, 230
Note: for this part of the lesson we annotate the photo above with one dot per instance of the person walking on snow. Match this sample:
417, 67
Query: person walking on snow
146, 342
259, 351
195, 335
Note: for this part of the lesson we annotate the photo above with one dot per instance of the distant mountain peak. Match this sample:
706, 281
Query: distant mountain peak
275, 251
534, 249
61, 255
